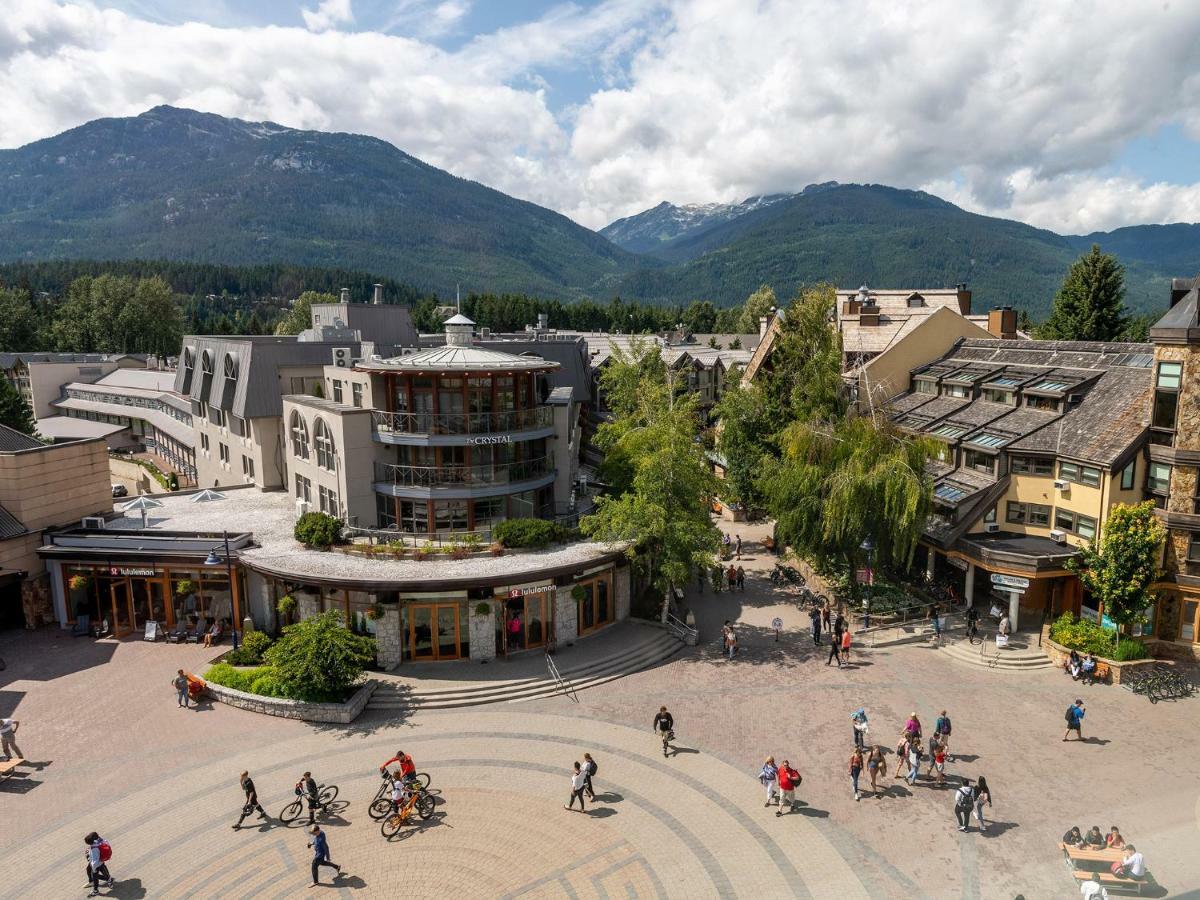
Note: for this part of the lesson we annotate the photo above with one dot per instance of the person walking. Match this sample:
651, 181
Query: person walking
835, 647
914, 761
941, 729
98, 854
972, 625
858, 722
901, 755
938, 764
875, 765
8, 739
320, 849
856, 767
981, 794
589, 769
815, 617
180, 683
737, 546
741, 578
937, 624
1074, 716
825, 617
846, 645
731, 577
768, 776
839, 625
964, 799
913, 726
578, 784
789, 779
251, 800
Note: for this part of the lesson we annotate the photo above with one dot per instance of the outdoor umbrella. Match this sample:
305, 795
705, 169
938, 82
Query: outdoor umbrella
141, 504
206, 495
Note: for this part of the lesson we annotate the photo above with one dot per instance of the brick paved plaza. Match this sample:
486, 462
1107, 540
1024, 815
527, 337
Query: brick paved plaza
113, 753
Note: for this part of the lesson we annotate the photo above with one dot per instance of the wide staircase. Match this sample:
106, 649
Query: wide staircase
1021, 655
632, 647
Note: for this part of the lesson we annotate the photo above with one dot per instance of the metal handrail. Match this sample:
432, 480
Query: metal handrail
429, 476
682, 630
384, 422
567, 517
558, 680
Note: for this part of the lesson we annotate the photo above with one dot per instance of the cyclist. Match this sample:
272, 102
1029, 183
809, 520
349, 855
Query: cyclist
665, 724
400, 794
307, 788
408, 768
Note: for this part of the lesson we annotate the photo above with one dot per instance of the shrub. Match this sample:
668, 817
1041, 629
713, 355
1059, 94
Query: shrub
318, 529
1128, 650
318, 659
482, 609
238, 679
267, 684
532, 533
1082, 635
254, 645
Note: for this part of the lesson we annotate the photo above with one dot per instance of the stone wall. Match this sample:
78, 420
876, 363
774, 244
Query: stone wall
566, 616
389, 645
482, 630
336, 713
1059, 655
622, 587
35, 601
307, 606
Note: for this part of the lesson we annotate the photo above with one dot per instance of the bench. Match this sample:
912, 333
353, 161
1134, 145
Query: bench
8, 768
1101, 674
1108, 879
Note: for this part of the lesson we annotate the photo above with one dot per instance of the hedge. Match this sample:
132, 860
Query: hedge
318, 529
532, 533
1082, 635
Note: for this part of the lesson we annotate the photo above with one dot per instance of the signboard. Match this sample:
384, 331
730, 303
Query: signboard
517, 593
865, 576
151, 631
1092, 615
491, 439
958, 563
1106, 622
120, 570
1013, 582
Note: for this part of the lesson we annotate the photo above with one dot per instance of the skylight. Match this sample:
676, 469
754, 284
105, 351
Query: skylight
949, 493
1006, 381
1051, 386
989, 440
949, 431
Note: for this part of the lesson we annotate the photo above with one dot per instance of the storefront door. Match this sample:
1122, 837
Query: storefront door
1187, 620
433, 631
595, 608
122, 611
537, 619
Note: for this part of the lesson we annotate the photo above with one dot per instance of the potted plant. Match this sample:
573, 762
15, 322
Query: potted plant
578, 593
483, 608
375, 612
497, 548
286, 606
185, 587
79, 582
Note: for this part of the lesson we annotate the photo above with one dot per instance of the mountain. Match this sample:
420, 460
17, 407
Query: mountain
654, 230
179, 184
853, 234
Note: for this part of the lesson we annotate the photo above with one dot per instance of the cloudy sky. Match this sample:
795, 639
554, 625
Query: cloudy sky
1075, 116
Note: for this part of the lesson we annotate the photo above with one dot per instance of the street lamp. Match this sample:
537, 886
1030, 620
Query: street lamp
869, 546
214, 560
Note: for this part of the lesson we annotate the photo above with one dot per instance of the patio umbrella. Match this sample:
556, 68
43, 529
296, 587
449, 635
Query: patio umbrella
141, 504
206, 495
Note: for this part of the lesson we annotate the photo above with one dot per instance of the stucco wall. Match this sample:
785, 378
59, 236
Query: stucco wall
56, 484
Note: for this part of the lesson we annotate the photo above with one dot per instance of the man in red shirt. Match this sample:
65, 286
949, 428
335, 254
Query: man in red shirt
789, 778
408, 768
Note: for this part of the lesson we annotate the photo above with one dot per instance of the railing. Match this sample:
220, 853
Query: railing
558, 679
462, 423
908, 615
683, 631
432, 476
560, 514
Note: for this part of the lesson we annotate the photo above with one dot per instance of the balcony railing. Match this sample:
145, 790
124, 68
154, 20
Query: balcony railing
462, 423
434, 476
559, 513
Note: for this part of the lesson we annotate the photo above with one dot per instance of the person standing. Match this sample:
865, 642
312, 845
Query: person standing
815, 616
731, 577
835, 647
982, 794
320, 849
939, 764
768, 776
589, 769
180, 683
664, 724
839, 625
858, 722
901, 755
309, 787
913, 726
1074, 717
578, 784
964, 799
937, 625
875, 765
846, 644
737, 546
789, 778
741, 578
972, 625
825, 617
856, 767
251, 800
98, 854
8, 739
1005, 626
941, 730
914, 761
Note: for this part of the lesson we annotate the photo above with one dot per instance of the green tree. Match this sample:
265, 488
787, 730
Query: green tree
622, 379
1119, 569
805, 382
700, 317
75, 320
14, 411
757, 305
1090, 305
744, 439
18, 321
299, 317
319, 659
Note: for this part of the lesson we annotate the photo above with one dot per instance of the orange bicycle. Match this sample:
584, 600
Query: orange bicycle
419, 799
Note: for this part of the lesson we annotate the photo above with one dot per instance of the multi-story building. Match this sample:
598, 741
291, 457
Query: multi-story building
39, 377
1039, 440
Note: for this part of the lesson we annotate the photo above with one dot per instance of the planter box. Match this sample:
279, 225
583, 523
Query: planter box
1060, 654
337, 713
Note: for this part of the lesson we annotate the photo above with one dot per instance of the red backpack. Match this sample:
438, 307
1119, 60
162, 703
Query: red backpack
105, 851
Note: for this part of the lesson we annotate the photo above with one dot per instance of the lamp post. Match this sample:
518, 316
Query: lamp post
868, 545
214, 560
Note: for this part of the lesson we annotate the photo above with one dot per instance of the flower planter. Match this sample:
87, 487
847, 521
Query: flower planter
1060, 654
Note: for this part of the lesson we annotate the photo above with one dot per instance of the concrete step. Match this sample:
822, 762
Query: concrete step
1009, 660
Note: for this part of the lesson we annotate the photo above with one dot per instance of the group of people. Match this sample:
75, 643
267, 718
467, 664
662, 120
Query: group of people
1081, 669
823, 619
780, 782
732, 578
581, 782
731, 546
1131, 865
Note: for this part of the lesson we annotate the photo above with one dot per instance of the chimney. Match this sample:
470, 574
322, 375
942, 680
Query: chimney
964, 299
378, 298
345, 295
1002, 322
543, 321
764, 322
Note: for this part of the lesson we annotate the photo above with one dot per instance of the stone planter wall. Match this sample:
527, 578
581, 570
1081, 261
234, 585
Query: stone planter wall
1174, 650
388, 644
483, 634
1060, 654
337, 713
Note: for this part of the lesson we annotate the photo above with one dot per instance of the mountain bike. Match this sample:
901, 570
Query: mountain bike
419, 799
377, 809
326, 794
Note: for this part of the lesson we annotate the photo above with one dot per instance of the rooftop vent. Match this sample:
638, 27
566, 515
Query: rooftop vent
345, 295
377, 299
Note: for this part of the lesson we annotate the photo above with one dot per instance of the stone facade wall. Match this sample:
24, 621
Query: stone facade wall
337, 713
566, 616
622, 588
36, 602
307, 606
1059, 655
482, 630
389, 645
1183, 489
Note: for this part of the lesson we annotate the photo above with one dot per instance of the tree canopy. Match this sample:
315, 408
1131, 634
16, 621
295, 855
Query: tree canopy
1119, 569
299, 317
14, 411
1090, 305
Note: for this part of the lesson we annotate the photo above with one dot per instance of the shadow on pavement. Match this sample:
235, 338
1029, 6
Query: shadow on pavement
353, 882
601, 813
128, 889
995, 829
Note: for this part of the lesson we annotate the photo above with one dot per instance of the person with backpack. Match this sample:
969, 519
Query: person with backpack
589, 769
1074, 717
251, 804
789, 780
99, 852
941, 729
964, 800
320, 849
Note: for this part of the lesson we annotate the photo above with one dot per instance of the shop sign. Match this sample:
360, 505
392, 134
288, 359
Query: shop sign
960, 564
119, 570
1106, 622
517, 593
1013, 582
865, 576
1092, 615
491, 439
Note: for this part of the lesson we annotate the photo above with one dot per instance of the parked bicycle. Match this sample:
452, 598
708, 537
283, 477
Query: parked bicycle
376, 810
419, 799
326, 794
783, 574
1158, 683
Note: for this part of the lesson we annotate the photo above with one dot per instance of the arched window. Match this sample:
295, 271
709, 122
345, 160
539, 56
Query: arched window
299, 437
231, 366
188, 357
326, 450
206, 362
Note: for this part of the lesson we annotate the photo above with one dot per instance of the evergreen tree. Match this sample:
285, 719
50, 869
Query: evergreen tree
1090, 305
14, 411
18, 321
757, 305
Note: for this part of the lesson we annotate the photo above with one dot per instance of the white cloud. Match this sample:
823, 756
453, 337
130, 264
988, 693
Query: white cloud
1013, 108
328, 14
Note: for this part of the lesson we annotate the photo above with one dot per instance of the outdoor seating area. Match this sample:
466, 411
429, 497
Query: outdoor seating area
1112, 863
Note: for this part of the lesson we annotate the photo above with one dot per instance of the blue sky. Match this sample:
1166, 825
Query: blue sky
1071, 116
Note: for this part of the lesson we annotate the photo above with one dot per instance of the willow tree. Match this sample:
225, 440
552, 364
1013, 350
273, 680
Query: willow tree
841, 482
746, 427
805, 382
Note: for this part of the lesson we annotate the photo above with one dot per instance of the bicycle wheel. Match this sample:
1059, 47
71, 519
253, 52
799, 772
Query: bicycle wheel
424, 780
328, 794
380, 808
291, 811
425, 804
381, 793
391, 825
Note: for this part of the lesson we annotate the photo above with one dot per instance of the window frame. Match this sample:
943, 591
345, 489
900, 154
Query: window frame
324, 446
1038, 466
298, 430
1152, 481
1128, 474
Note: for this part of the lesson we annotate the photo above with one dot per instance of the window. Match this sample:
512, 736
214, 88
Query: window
326, 450
216, 415
949, 431
956, 390
337, 390
990, 515
248, 467
1046, 403
1193, 551
303, 489
231, 368
949, 493
1166, 402
925, 386
328, 500
1028, 513
204, 442
1158, 478
1031, 465
356, 392
1170, 374
1066, 520
223, 451
988, 440
1050, 386
1087, 475
1127, 475
979, 461
994, 395
488, 510
299, 437
206, 363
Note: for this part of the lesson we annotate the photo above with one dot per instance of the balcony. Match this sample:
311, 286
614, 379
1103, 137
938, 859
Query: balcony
459, 482
457, 429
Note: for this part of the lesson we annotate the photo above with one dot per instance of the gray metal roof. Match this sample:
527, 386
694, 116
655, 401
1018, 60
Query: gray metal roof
10, 527
12, 440
455, 358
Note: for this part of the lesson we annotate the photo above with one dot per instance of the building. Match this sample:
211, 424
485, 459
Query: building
42, 486
1039, 440
40, 377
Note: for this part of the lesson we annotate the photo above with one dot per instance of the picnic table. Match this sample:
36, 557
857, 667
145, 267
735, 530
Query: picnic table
8, 767
1085, 862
